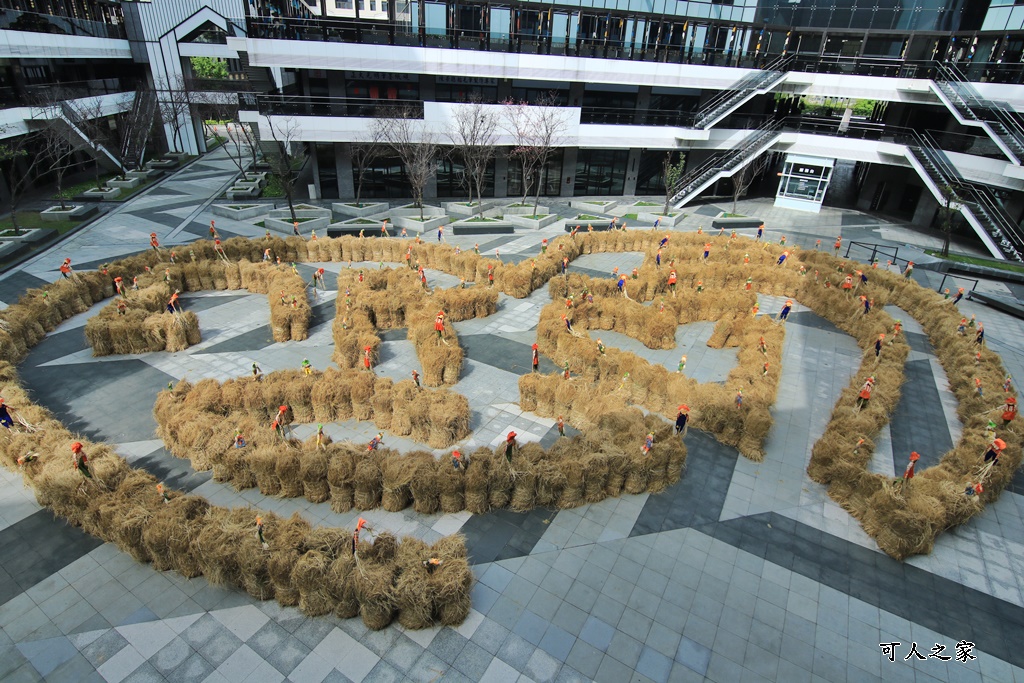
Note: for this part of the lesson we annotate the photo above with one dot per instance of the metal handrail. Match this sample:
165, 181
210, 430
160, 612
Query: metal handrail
750, 82
724, 160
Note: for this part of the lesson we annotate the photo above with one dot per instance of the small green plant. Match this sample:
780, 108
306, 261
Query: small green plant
588, 217
479, 219
630, 216
647, 204
259, 224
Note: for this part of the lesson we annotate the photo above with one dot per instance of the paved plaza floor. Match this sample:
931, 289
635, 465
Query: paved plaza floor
742, 571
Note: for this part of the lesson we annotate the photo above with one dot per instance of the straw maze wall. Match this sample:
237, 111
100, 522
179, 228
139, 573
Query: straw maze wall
313, 568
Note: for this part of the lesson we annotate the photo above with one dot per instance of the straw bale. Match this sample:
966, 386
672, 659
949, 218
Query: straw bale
477, 481
396, 478
310, 577
413, 601
368, 481
426, 486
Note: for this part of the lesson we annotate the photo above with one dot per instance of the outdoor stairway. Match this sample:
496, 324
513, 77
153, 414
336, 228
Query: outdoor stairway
73, 121
976, 202
728, 101
971, 109
725, 164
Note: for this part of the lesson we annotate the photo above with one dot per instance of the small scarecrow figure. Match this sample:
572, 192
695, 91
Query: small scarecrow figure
784, 313
959, 295
154, 242
648, 444
707, 252
122, 307
762, 346
672, 282
366, 359
257, 373
635, 274
510, 446
739, 398
266, 255
760, 233
416, 378
700, 286
764, 369
79, 460
307, 367
544, 246
663, 242
320, 441
119, 286
750, 283
837, 245
213, 230
908, 473
878, 346
979, 338
439, 325
974, 489
600, 347
172, 304
355, 534
318, 279
459, 461
860, 442
783, 256
27, 458
683, 419
621, 284
682, 364
535, 354
1007, 384
995, 449
865, 393
977, 386
375, 442
384, 229
565, 371
1009, 410
295, 229
65, 269
490, 275
239, 440
163, 493
561, 426
568, 325
432, 564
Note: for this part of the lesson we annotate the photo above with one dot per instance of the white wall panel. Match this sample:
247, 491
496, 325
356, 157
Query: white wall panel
54, 45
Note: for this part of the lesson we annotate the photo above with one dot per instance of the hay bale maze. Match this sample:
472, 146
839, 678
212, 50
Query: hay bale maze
386, 580
289, 305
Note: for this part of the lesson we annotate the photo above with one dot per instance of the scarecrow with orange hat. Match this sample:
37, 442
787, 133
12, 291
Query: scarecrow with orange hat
908, 473
995, 449
1009, 410
439, 326
865, 393
784, 313
366, 358
154, 242
355, 535
65, 269
535, 354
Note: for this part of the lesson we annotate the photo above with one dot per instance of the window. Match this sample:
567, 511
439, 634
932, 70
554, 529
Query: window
600, 171
342, 4
373, 5
384, 6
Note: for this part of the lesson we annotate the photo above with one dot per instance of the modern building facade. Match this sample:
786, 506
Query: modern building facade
904, 104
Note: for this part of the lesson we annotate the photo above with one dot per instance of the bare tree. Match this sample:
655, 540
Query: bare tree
284, 132
19, 177
741, 181
175, 106
536, 130
57, 144
224, 107
672, 173
417, 147
366, 152
473, 132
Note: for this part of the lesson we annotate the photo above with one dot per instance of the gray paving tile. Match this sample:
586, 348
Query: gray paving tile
693, 655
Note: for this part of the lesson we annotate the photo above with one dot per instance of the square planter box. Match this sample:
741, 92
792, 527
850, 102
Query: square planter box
367, 209
408, 210
177, 156
11, 248
285, 225
352, 227
413, 222
523, 210
243, 211
28, 236
127, 184
460, 208
260, 178
591, 207
74, 213
248, 192
301, 211
143, 174
735, 223
162, 164
666, 221
533, 223
94, 194
492, 227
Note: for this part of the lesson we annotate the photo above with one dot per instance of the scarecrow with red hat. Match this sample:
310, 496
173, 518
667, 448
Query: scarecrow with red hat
459, 461
154, 242
510, 446
65, 269
79, 460
535, 356
439, 326
355, 535
682, 419
366, 358
908, 473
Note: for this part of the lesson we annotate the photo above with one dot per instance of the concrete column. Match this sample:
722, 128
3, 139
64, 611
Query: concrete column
576, 94
568, 172
343, 161
311, 151
643, 102
632, 167
500, 174
430, 191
